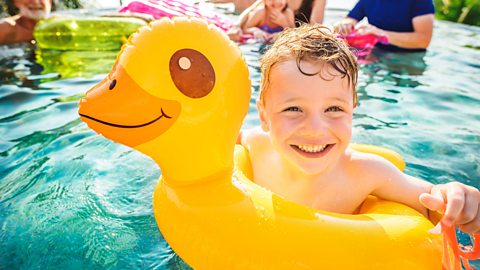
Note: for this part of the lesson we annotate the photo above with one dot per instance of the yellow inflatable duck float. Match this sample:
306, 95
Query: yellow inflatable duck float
178, 93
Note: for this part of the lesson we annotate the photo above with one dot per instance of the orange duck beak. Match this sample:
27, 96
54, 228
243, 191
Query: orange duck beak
119, 109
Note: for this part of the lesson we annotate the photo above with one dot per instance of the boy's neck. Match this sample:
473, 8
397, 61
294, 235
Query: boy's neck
295, 175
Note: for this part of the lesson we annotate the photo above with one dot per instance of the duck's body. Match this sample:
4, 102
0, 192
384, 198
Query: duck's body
182, 101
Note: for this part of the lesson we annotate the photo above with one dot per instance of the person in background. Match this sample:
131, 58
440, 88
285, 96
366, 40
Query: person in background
308, 11
407, 24
271, 18
305, 11
19, 28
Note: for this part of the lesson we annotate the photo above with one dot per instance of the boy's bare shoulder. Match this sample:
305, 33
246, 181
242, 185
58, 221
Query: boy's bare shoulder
254, 136
370, 165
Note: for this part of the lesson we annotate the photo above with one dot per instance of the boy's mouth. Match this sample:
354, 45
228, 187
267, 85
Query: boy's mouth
312, 150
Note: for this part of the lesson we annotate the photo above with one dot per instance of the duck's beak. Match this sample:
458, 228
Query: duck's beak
122, 111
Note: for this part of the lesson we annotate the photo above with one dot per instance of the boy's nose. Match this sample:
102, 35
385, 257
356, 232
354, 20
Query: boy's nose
314, 126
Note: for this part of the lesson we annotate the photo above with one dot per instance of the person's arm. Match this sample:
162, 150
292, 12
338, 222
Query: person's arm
235, 33
418, 39
458, 202
243, 17
251, 26
7, 31
318, 11
391, 184
345, 26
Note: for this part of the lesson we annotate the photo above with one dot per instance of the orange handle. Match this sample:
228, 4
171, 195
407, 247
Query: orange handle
460, 253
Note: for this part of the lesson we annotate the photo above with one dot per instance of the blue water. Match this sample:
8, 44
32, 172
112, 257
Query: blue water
70, 199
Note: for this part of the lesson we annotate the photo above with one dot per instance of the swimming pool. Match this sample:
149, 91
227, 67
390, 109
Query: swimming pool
71, 199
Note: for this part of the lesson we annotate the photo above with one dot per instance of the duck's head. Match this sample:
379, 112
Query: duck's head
178, 92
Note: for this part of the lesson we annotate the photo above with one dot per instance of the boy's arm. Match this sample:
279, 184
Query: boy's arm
458, 202
389, 183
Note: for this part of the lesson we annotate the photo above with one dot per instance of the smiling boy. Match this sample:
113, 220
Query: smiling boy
301, 151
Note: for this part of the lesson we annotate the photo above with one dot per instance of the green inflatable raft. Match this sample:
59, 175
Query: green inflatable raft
85, 34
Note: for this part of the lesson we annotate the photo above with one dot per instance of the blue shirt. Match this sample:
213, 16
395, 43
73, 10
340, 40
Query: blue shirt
392, 15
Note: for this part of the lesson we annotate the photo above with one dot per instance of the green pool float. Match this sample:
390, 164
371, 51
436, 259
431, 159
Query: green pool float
85, 34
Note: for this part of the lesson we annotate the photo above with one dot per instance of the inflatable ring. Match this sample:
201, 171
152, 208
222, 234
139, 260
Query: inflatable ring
182, 101
85, 33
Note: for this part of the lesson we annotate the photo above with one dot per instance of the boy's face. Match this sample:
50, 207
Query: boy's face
309, 117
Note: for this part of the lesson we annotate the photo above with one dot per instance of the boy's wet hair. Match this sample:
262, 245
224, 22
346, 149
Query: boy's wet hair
312, 43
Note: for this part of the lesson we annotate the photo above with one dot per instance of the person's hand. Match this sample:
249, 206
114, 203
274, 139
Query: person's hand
345, 26
235, 33
260, 35
366, 29
277, 17
458, 203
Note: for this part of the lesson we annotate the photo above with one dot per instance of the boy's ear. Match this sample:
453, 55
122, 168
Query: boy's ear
262, 115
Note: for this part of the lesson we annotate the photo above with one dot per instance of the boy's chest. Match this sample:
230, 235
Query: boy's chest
337, 195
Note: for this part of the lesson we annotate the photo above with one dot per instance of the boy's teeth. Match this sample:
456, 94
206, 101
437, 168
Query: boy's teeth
312, 148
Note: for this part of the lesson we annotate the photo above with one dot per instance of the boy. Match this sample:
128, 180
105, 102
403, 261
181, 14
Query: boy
301, 152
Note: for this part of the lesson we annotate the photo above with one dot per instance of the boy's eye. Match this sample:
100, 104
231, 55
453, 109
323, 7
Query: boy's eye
334, 109
292, 109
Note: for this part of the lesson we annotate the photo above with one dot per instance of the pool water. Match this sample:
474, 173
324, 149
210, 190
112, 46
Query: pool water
70, 199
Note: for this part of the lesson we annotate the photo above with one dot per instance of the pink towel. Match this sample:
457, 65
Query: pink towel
364, 42
171, 8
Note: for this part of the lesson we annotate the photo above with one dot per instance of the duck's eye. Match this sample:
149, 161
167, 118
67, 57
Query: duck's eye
334, 109
192, 73
112, 84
